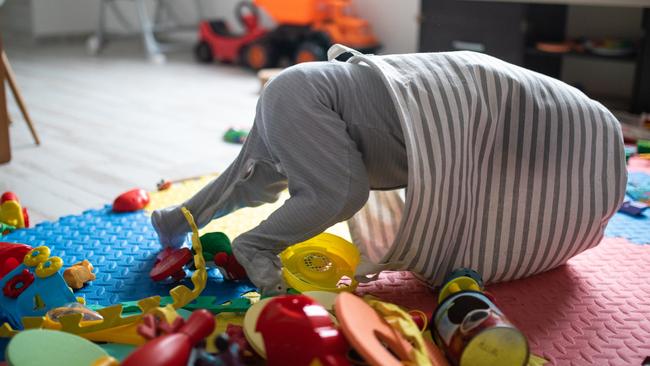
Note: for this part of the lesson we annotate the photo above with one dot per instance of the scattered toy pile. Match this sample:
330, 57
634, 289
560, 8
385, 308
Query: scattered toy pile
325, 325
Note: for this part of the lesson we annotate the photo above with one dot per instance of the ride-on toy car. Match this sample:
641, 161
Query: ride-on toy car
305, 30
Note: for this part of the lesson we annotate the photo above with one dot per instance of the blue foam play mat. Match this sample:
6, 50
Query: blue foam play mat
122, 248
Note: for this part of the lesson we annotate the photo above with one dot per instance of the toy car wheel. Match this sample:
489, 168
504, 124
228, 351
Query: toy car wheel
259, 55
17, 284
203, 52
310, 51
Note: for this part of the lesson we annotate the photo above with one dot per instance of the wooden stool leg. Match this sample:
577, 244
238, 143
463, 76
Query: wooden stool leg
9, 75
5, 146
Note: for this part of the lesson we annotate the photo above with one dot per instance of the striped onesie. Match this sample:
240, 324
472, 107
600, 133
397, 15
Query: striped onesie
506, 171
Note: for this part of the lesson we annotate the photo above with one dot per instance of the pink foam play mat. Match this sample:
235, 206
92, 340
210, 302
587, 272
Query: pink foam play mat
595, 310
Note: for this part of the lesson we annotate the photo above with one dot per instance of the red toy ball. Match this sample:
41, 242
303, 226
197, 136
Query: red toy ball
133, 200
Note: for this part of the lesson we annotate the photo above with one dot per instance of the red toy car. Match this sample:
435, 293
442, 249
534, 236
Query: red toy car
218, 42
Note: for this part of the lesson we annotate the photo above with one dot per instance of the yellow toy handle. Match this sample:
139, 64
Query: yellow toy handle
36, 256
48, 267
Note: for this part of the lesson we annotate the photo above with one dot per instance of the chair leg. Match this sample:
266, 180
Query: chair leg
151, 44
9, 74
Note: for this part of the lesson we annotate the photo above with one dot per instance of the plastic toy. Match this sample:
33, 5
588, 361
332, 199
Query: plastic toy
163, 185
175, 348
6, 229
33, 287
235, 136
11, 212
633, 208
320, 264
214, 243
298, 331
402, 322
78, 274
216, 249
234, 335
170, 263
11, 255
73, 308
47, 347
643, 146
133, 200
305, 30
114, 327
229, 267
369, 334
216, 40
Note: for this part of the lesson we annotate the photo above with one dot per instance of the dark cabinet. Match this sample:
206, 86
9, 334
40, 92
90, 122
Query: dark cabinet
510, 31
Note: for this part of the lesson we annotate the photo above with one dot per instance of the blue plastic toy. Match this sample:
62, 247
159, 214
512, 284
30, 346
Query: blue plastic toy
33, 287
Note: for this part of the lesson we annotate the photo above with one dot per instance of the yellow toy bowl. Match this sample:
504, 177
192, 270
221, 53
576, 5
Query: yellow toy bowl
318, 264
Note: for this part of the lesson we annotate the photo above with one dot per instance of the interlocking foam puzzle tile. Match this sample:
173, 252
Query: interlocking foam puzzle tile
595, 310
633, 228
637, 164
636, 229
122, 248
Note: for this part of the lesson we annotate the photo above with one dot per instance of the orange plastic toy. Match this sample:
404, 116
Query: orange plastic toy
333, 18
304, 30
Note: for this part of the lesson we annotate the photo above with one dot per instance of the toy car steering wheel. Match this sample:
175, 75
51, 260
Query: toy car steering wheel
244, 9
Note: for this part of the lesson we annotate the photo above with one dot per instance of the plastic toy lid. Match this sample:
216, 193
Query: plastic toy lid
456, 285
253, 337
320, 263
171, 264
53, 348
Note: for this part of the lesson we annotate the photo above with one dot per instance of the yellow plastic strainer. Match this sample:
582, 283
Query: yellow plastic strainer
320, 263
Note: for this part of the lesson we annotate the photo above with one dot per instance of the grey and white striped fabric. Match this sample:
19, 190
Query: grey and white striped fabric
510, 172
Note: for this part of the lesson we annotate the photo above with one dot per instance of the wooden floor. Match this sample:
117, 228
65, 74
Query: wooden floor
115, 122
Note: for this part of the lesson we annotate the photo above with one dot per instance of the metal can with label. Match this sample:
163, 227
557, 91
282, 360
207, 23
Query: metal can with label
472, 331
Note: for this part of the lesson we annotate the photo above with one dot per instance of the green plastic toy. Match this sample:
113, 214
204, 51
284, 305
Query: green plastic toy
6, 229
214, 243
235, 136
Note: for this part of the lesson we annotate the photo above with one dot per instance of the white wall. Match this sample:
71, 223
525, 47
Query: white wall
394, 21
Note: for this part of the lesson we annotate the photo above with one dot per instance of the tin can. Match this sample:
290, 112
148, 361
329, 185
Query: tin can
472, 331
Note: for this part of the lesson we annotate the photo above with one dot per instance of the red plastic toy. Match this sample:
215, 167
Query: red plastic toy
133, 200
229, 266
297, 330
174, 349
304, 30
170, 262
218, 42
11, 255
11, 196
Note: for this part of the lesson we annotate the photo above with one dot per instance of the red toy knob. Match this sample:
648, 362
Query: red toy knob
9, 196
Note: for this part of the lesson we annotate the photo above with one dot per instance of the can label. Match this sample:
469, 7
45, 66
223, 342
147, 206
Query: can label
473, 331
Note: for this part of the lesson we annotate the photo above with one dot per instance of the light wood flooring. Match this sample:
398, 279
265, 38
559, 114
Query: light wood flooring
116, 122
